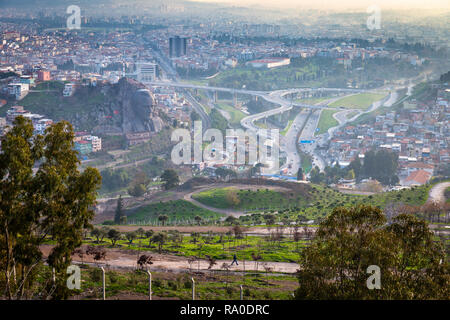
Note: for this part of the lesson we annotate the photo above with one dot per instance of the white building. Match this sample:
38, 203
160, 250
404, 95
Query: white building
69, 89
270, 63
146, 72
19, 90
41, 125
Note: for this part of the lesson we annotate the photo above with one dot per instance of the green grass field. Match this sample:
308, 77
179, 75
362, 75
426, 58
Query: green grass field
311, 100
235, 115
351, 114
50, 102
326, 121
122, 284
179, 211
322, 200
286, 129
248, 199
217, 246
358, 101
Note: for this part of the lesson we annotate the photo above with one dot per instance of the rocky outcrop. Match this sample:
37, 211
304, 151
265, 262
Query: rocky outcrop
122, 108
136, 105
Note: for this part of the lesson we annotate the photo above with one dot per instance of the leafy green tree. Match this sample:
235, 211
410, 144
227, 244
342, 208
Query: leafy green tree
140, 232
194, 116
381, 165
163, 218
103, 233
131, 235
114, 179
356, 166
119, 210
160, 238
139, 184
198, 219
56, 200
149, 235
231, 220
114, 235
350, 174
96, 233
315, 176
334, 266
300, 174
137, 190
269, 218
224, 173
171, 179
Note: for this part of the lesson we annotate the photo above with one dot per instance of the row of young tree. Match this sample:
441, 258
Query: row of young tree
380, 165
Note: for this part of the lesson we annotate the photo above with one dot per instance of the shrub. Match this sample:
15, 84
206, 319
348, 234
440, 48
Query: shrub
187, 284
97, 275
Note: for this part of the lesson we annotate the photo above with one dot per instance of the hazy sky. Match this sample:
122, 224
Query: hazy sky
342, 4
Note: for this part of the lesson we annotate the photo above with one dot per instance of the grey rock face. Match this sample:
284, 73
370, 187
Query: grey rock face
137, 106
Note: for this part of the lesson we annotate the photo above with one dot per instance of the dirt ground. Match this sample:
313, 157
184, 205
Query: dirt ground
215, 229
126, 259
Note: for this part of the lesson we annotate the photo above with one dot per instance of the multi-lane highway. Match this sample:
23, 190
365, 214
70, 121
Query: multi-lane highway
304, 125
288, 144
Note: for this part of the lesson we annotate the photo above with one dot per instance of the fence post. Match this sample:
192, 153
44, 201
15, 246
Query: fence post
193, 288
149, 285
104, 284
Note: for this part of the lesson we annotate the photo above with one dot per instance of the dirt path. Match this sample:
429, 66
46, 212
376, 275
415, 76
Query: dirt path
126, 259
437, 192
228, 212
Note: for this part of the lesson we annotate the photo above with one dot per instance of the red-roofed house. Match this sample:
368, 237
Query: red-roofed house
418, 177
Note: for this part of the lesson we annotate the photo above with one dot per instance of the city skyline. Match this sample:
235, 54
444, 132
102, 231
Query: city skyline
342, 5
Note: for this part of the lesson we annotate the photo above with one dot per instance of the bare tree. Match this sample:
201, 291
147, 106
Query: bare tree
144, 261
256, 257
191, 260
97, 253
212, 262
227, 268
79, 252
267, 269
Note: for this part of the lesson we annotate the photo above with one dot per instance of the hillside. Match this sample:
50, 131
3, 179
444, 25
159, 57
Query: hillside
125, 107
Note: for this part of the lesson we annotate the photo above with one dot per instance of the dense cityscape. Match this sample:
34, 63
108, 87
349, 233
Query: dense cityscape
351, 106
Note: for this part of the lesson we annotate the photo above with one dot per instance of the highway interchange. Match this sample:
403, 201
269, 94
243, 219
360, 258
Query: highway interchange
302, 128
305, 123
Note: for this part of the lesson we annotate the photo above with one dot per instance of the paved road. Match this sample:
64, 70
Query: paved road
290, 142
308, 134
275, 97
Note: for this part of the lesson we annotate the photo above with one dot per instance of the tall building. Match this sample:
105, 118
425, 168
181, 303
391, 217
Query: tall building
177, 47
147, 72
